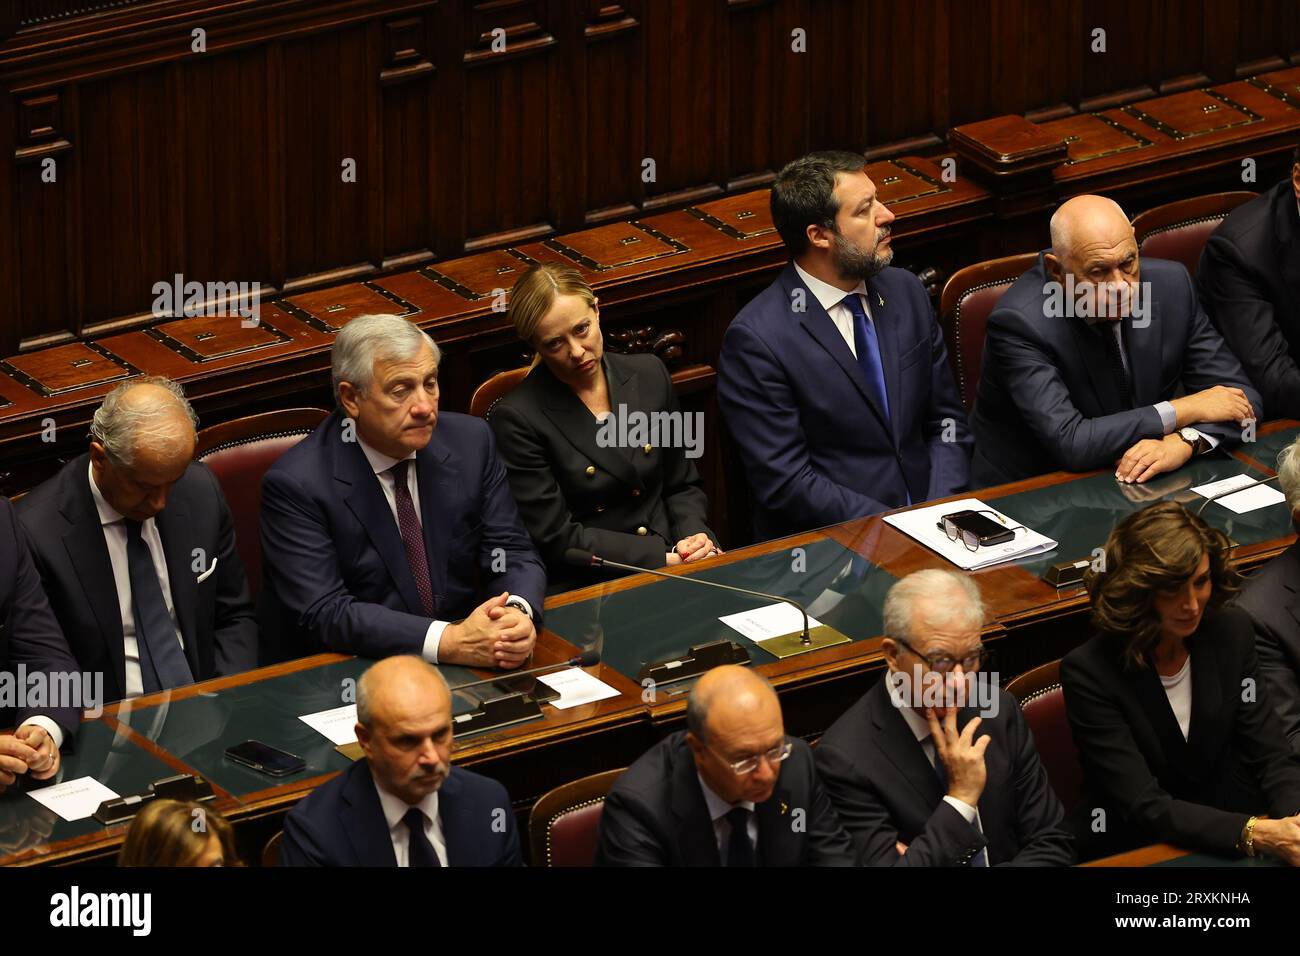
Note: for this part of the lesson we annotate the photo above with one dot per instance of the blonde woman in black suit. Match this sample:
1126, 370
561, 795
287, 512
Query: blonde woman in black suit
564, 436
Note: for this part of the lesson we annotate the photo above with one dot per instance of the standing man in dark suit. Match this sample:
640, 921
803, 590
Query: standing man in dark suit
1249, 282
731, 790
922, 771
834, 380
1086, 356
404, 804
1271, 597
30, 637
136, 548
378, 531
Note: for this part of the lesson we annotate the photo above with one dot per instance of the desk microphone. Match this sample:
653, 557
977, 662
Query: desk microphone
1233, 491
586, 559
586, 659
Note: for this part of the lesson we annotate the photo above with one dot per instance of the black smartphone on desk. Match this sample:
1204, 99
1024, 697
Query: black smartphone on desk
985, 530
263, 757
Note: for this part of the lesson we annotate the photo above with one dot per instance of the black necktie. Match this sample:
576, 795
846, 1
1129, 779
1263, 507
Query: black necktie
412, 536
1110, 333
421, 852
740, 851
162, 661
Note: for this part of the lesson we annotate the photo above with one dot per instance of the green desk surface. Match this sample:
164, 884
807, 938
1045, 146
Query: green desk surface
664, 618
1264, 450
113, 760
197, 730
1080, 514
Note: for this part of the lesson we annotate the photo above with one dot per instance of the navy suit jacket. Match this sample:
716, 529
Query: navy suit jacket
1047, 397
816, 445
215, 615
1249, 281
29, 632
656, 815
1272, 599
342, 823
337, 576
885, 790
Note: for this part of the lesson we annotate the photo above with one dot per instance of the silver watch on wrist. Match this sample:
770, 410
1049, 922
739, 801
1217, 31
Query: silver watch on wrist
519, 606
1193, 438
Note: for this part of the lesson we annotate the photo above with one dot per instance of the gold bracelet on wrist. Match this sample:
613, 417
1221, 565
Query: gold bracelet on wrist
1248, 836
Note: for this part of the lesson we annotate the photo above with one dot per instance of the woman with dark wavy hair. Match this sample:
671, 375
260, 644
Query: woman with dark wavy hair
1177, 741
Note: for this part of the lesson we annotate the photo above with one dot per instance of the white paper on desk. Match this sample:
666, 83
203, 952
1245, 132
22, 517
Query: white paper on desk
772, 620
922, 524
576, 687
1254, 496
339, 724
73, 799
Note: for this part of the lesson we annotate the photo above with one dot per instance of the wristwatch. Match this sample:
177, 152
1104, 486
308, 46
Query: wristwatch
518, 605
1193, 438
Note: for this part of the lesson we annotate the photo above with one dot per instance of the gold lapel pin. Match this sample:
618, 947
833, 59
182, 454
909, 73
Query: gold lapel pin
881, 299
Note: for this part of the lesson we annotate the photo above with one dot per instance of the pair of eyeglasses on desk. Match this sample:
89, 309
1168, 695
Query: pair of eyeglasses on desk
975, 530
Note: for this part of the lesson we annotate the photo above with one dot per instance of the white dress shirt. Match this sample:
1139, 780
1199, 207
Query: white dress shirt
1178, 688
381, 464
718, 810
832, 300
395, 809
114, 527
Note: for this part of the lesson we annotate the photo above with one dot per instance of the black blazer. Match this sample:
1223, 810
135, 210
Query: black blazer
29, 632
1048, 399
1153, 785
215, 615
885, 790
337, 575
1249, 283
574, 493
655, 815
1272, 599
342, 823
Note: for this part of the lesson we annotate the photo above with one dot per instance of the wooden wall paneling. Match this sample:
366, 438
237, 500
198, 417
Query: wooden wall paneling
569, 151
1268, 35
10, 291
1122, 73
45, 311
330, 82
837, 89
1220, 48
506, 137
757, 74
277, 160
610, 103
411, 168
896, 47
1182, 47
132, 176
448, 161
683, 118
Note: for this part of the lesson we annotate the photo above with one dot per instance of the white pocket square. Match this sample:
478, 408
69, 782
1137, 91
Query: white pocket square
206, 574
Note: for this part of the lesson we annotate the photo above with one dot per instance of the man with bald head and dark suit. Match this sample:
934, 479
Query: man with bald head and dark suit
1092, 361
730, 790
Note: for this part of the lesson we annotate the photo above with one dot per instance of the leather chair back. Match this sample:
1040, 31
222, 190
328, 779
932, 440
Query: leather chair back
1179, 230
494, 389
563, 824
239, 452
1043, 702
964, 308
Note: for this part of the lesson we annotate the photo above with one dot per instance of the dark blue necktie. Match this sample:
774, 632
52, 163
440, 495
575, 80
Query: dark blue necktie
867, 346
740, 849
981, 858
421, 852
162, 661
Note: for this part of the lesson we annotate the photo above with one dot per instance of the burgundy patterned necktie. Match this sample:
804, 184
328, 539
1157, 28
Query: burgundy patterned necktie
412, 536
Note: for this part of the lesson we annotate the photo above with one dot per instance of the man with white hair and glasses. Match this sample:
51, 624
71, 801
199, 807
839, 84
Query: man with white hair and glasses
935, 766
390, 529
